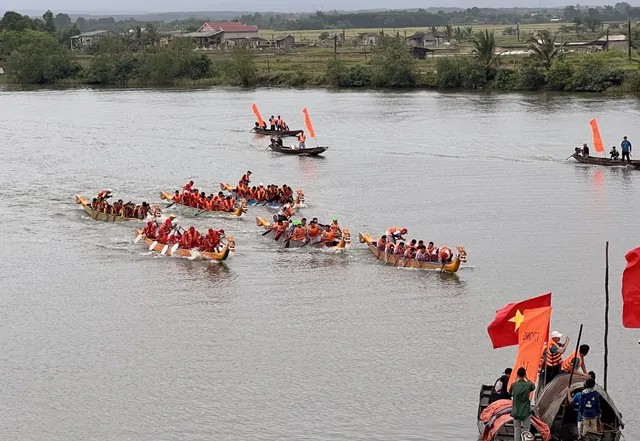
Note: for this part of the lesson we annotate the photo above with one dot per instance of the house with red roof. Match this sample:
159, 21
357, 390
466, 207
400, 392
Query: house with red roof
231, 30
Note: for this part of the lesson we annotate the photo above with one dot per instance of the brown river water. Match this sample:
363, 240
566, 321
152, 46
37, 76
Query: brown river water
102, 340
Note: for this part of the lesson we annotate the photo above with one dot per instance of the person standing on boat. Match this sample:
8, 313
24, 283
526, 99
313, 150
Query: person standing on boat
614, 153
301, 139
272, 122
553, 354
625, 146
500, 389
590, 408
576, 361
585, 150
576, 400
521, 406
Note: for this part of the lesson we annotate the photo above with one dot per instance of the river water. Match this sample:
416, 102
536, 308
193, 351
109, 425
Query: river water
102, 340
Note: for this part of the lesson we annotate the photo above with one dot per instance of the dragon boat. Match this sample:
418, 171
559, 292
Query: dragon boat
194, 253
280, 133
299, 201
237, 212
112, 217
344, 241
450, 267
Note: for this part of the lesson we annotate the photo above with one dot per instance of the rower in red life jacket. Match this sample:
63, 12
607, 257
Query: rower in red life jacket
104, 195
279, 123
246, 178
301, 139
187, 187
381, 244
150, 230
272, 121
432, 252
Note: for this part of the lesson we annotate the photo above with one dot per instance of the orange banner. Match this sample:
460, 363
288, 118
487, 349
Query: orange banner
533, 332
257, 114
307, 122
597, 140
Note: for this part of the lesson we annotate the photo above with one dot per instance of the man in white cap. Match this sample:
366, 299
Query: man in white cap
553, 355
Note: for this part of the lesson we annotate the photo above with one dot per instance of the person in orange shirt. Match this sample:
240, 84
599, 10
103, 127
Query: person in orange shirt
301, 140
329, 237
313, 231
335, 227
279, 123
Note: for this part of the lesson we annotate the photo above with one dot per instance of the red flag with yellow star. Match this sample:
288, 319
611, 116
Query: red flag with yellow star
503, 330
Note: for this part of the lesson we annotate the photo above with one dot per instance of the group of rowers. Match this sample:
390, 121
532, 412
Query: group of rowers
192, 197
312, 232
277, 142
614, 153
170, 233
416, 249
270, 193
119, 208
275, 123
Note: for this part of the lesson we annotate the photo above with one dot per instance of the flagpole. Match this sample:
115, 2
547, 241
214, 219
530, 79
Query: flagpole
564, 411
606, 316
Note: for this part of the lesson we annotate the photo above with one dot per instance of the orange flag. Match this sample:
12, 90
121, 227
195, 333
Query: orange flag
307, 122
257, 113
532, 334
597, 140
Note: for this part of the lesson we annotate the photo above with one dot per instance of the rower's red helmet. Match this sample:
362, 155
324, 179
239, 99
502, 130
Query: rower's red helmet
192, 228
191, 182
221, 231
404, 231
210, 230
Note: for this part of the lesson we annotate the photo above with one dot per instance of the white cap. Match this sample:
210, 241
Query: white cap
109, 190
556, 334
261, 184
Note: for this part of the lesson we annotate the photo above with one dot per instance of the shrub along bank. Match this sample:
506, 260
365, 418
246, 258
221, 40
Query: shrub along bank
34, 57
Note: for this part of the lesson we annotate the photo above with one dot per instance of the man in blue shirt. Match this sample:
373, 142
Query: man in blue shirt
625, 145
577, 399
590, 408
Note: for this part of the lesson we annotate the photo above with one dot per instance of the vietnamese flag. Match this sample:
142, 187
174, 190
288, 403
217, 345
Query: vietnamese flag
532, 335
631, 290
503, 330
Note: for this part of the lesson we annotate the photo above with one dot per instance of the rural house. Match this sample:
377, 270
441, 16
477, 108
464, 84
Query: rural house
86, 39
230, 30
369, 38
422, 39
285, 42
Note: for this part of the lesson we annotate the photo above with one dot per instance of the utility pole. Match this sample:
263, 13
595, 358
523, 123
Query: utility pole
607, 38
335, 46
629, 29
518, 30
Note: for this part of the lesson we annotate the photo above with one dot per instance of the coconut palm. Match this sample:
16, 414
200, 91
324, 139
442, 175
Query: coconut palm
543, 47
434, 31
458, 34
484, 49
469, 31
448, 32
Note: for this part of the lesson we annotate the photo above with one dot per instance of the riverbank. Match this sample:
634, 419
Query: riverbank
387, 65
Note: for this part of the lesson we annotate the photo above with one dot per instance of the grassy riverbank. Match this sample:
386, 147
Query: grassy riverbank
478, 62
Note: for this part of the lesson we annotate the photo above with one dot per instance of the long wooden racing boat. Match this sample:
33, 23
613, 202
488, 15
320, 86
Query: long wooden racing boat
242, 207
344, 241
308, 151
402, 262
194, 253
99, 215
607, 162
280, 133
298, 202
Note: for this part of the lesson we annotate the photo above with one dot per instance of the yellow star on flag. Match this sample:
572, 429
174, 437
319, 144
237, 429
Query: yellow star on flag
517, 319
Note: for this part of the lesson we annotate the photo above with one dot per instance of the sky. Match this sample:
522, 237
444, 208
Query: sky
126, 6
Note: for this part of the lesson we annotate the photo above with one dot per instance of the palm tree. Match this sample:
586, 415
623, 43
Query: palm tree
469, 31
578, 24
459, 34
484, 49
434, 31
543, 47
448, 32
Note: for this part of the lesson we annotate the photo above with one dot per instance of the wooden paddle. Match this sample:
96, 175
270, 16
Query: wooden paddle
171, 205
153, 245
267, 232
138, 237
166, 247
279, 235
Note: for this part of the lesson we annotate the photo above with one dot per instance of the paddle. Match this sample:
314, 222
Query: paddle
279, 235
171, 205
153, 245
166, 247
199, 212
138, 237
570, 157
305, 243
267, 232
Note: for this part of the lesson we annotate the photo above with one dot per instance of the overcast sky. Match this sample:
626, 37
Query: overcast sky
140, 6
